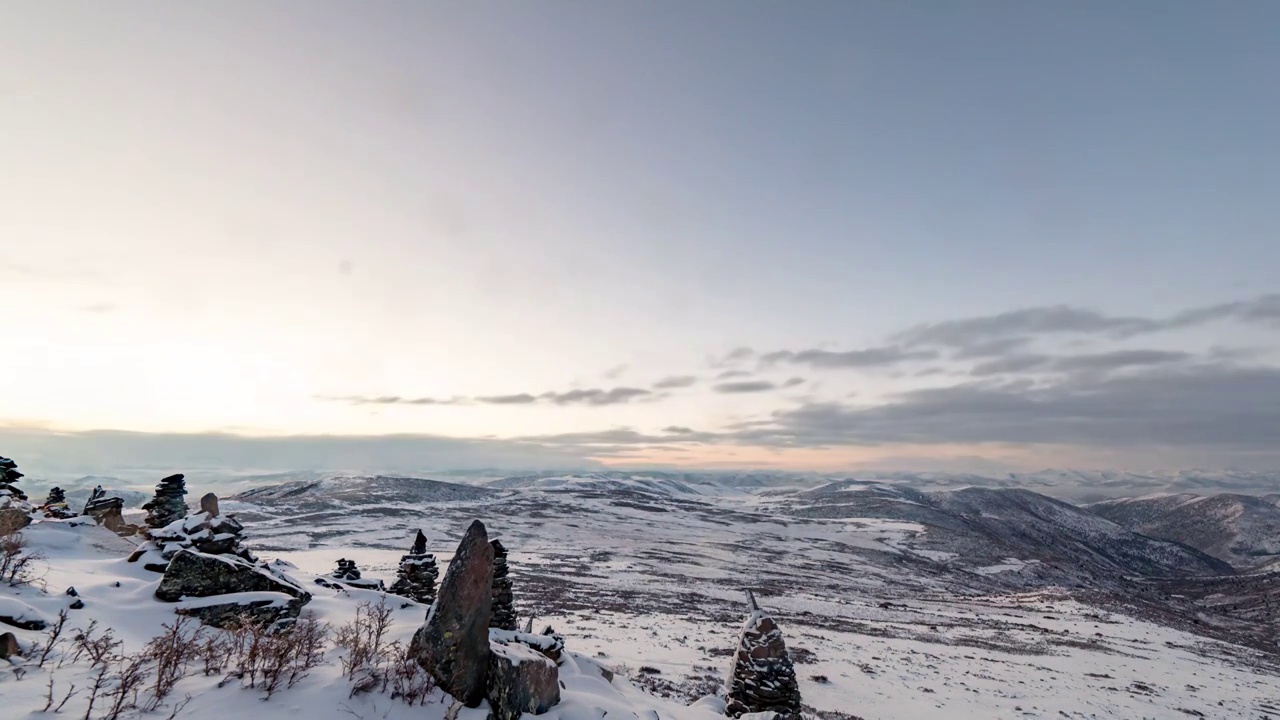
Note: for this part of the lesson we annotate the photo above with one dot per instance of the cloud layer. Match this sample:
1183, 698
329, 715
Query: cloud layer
1045, 376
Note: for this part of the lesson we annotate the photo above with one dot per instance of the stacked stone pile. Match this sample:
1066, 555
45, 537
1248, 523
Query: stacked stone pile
503, 614
348, 574
9, 476
14, 508
168, 505
416, 576
55, 505
762, 678
208, 532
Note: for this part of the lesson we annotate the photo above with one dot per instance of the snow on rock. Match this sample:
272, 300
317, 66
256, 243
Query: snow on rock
762, 678
16, 613
225, 579
520, 680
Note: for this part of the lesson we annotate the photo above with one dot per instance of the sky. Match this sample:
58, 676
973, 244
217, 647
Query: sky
821, 235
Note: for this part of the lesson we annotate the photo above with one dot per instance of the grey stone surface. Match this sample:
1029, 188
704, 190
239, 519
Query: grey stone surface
196, 575
453, 644
521, 680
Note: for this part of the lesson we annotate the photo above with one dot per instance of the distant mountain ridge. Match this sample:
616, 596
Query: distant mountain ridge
989, 524
1243, 530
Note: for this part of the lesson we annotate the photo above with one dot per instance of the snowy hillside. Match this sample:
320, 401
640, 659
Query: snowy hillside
858, 653
982, 526
1243, 530
894, 602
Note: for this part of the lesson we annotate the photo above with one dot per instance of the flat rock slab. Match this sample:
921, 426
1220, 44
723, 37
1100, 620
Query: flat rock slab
196, 575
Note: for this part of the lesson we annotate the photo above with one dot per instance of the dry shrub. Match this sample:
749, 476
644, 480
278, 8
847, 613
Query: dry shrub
173, 651
374, 664
101, 647
269, 658
54, 639
17, 561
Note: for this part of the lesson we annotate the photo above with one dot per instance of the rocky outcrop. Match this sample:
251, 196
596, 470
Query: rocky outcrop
520, 680
168, 505
416, 576
503, 614
108, 512
453, 643
205, 533
193, 574
762, 678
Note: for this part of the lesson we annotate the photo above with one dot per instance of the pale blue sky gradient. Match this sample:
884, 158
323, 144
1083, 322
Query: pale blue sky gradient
215, 215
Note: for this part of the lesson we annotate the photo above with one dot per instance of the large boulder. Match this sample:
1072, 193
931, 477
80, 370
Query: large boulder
12, 520
193, 574
453, 644
762, 678
521, 680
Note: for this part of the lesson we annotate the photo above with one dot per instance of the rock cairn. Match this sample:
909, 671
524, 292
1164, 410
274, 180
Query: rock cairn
416, 576
9, 476
762, 678
503, 613
168, 504
473, 662
55, 505
347, 570
208, 532
348, 574
14, 508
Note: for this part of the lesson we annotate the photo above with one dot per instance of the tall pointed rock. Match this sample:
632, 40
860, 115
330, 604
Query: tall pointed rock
453, 644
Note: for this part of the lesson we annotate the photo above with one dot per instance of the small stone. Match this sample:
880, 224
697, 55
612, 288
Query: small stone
209, 504
9, 646
76, 604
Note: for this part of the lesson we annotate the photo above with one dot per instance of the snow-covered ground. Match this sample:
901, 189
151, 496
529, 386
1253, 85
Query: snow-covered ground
880, 626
